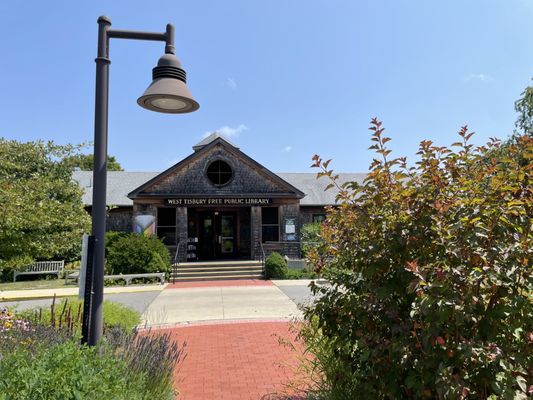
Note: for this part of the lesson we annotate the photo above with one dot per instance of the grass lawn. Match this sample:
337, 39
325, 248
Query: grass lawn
35, 284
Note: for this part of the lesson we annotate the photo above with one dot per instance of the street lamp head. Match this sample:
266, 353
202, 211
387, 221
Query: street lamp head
168, 91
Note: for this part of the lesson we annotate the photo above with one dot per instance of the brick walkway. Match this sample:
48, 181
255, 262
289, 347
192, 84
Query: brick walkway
237, 361
228, 283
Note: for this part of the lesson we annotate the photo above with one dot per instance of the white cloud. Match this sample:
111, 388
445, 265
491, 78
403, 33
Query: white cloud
286, 149
227, 131
231, 83
479, 77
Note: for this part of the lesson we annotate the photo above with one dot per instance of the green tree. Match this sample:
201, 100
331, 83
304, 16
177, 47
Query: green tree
524, 108
523, 126
85, 162
431, 276
41, 213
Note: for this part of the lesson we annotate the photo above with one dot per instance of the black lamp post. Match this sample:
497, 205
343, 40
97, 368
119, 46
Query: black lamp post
168, 93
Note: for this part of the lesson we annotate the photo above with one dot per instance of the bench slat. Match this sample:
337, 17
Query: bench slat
41, 267
46, 266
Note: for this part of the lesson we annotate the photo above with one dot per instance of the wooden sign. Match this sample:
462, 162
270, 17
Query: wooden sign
216, 201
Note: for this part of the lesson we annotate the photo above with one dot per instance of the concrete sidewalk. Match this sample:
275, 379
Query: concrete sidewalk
211, 301
10, 295
181, 306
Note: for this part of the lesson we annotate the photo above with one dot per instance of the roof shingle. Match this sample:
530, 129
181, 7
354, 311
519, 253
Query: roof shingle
120, 183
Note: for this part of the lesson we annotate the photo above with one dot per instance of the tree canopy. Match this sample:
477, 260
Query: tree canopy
85, 162
41, 213
524, 108
523, 127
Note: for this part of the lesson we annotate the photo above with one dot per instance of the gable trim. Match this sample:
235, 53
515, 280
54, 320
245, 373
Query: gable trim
291, 190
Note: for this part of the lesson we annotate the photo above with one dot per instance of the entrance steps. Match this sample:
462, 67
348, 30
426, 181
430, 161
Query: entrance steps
217, 270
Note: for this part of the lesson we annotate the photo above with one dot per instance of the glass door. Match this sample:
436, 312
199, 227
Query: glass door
217, 235
206, 245
226, 240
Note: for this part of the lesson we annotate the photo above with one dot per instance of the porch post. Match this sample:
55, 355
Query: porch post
182, 231
255, 229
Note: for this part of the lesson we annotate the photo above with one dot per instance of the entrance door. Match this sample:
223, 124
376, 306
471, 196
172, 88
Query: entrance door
206, 236
217, 236
225, 229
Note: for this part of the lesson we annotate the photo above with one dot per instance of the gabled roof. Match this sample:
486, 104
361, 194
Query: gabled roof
288, 189
120, 183
315, 189
209, 139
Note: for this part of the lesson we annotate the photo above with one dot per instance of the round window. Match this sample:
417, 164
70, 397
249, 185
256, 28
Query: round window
219, 172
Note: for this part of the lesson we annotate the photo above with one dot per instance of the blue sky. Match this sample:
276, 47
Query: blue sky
284, 79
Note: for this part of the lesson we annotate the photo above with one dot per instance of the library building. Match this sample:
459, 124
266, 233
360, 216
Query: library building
216, 204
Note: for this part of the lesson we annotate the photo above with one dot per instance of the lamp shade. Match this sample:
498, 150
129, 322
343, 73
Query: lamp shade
168, 91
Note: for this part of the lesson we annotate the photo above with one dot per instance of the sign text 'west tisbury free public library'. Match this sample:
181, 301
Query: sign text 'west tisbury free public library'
219, 202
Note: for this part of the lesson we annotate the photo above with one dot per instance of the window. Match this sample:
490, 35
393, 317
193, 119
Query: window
270, 224
166, 225
319, 217
219, 173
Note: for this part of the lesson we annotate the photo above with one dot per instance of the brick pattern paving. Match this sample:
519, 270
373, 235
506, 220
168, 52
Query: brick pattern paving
228, 283
236, 361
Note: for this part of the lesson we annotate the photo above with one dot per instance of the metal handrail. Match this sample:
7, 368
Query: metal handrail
282, 242
263, 259
291, 242
260, 255
286, 242
176, 261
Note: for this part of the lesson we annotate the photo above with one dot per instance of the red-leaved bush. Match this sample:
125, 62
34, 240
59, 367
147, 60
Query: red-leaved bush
430, 271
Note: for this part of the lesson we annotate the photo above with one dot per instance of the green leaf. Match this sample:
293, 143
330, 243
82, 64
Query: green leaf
517, 333
522, 383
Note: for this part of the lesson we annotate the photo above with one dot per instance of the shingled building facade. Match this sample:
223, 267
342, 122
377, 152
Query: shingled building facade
217, 203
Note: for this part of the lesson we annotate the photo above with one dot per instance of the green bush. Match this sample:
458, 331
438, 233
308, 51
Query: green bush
111, 237
310, 237
41, 358
430, 272
135, 253
71, 371
66, 371
300, 274
72, 265
15, 263
276, 267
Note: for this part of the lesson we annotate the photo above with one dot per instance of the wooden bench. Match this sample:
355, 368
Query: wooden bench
126, 277
41, 268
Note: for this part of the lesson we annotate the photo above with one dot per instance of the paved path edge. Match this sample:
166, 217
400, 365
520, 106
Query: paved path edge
31, 294
176, 325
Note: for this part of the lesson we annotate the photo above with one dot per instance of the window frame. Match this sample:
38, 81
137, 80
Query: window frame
263, 225
211, 181
157, 226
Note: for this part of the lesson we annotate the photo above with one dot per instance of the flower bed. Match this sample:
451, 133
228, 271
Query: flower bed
42, 359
